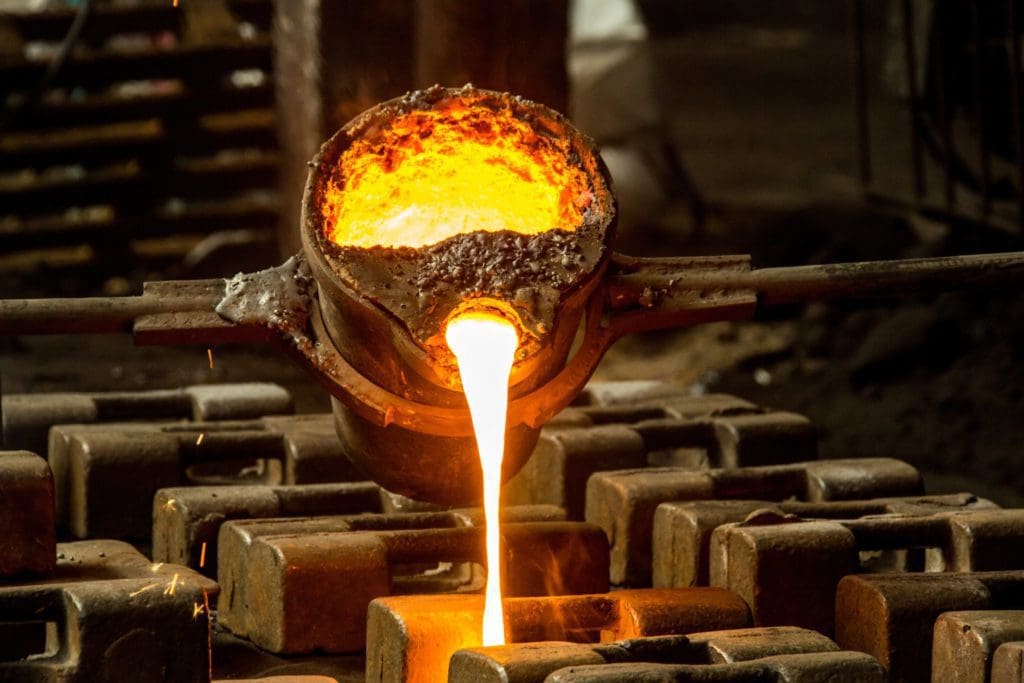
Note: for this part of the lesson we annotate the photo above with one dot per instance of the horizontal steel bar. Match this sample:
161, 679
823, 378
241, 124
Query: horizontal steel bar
89, 315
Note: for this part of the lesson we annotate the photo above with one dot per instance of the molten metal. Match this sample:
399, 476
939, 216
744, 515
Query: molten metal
484, 346
459, 168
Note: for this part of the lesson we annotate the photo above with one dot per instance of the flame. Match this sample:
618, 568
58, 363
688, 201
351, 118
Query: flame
458, 168
484, 346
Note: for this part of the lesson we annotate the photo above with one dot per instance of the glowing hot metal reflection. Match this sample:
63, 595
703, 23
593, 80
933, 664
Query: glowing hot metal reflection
484, 347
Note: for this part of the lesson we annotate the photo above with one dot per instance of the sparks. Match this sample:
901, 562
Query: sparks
170, 505
484, 347
197, 609
199, 439
209, 355
172, 586
202, 556
143, 590
156, 567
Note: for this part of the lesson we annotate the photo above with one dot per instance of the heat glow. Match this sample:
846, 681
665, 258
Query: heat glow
484, 347
432, 174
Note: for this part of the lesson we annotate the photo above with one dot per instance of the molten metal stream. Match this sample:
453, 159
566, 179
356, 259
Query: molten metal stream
484, 347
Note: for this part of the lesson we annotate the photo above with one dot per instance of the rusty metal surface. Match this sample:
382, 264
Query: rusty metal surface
687, 431
812, 556
411, 638
342, 572
236, 539
185, 519
1008, 663
27, 418
682, 531
116, 617
623, 503
107, 474
787, 568
835, 667
964, 643
673, 278
28, 538
891, 616
532, 662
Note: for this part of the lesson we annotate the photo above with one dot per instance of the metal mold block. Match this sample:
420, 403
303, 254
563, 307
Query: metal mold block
712, 431
834, 667
1008, 663
236, 539
185, 519
107, 614
28, 537
106, 475
682, 531
623, 503
532, 662
964, 643
891, 616
27, 418
787, 568
411, 638
341, 573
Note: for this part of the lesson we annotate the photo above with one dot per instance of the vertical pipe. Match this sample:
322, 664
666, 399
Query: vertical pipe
942, 104
984, 160
1015, 104
860, 80
916, 157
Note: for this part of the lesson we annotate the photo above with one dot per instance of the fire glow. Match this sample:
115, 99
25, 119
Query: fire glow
455, 169
484, 346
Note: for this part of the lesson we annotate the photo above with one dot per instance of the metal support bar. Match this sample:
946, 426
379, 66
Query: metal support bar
655, 284
637, 294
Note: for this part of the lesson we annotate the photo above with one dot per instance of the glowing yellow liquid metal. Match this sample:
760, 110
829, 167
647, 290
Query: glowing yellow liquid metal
484, 347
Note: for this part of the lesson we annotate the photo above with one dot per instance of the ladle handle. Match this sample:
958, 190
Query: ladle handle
657, 293
101, 315
871, 279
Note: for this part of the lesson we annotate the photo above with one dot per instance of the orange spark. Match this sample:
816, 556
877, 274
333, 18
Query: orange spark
199, 439
209, 355
172, 586
202, 556
197, 609
142, 590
